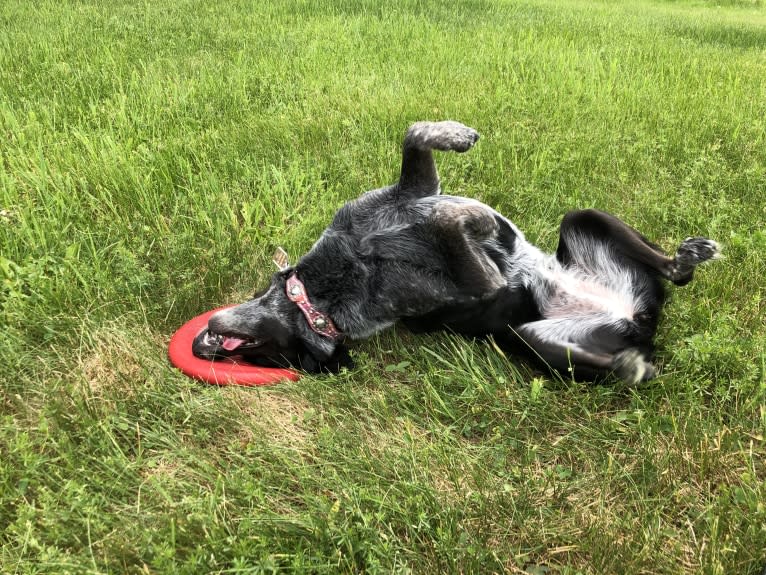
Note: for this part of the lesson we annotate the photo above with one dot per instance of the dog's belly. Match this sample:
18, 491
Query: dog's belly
573, 296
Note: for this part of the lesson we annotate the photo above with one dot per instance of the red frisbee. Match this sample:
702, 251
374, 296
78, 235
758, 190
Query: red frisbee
229, 371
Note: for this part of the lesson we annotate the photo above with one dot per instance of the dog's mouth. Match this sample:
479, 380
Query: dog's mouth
229, 342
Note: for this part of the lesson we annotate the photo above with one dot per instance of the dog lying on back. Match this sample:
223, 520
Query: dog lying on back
407, 253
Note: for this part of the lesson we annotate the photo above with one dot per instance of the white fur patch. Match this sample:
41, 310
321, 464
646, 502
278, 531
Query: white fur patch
595, 283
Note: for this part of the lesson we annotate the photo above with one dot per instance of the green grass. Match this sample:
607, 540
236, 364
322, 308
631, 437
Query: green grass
154, 154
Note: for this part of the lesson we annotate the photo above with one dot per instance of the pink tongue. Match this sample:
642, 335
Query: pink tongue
231, 343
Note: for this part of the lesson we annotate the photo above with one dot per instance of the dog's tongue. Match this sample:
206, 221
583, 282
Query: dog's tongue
231, 343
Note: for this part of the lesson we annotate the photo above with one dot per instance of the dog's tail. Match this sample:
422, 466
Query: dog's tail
419, 177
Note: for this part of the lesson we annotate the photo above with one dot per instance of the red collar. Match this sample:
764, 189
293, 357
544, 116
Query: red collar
318, 321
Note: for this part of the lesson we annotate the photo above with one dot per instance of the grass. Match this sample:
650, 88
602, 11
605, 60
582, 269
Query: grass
153, 156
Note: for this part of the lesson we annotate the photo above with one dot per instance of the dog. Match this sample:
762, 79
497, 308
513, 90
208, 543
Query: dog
407, 253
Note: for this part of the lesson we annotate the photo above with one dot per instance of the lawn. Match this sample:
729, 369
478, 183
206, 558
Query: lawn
154, 154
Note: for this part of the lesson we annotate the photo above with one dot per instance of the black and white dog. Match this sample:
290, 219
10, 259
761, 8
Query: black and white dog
406, 252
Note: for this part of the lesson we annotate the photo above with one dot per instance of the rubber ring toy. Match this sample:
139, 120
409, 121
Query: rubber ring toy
228, 371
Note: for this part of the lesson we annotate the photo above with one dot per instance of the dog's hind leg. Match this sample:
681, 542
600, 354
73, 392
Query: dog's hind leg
419, 177
593, 225
572, 346
582, 227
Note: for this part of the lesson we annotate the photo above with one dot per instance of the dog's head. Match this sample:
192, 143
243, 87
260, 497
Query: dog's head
270, 330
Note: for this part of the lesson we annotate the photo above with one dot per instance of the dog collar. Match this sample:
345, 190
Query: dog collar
318, 321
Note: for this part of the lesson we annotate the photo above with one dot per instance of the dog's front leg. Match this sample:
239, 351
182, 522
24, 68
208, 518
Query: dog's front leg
459, 230
419, 177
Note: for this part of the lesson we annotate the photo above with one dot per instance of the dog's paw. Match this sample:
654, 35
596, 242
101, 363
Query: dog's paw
631, 366
457, 136
446, 135
694, 251
691, 253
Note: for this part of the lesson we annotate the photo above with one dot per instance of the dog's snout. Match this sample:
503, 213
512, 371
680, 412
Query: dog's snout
218, 321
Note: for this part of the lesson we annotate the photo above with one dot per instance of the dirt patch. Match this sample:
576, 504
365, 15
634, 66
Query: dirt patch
111, 360
435, 458
280, 418
161, 469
